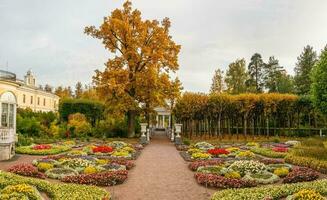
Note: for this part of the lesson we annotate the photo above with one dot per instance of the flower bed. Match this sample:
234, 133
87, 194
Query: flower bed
42, 149
20, 191
268, 152
301, 174
102, 149
217, 152
26, 170
60, 173
319, 165
218, 181
99, 179
196, 164
280, 149
270, 191
54, 191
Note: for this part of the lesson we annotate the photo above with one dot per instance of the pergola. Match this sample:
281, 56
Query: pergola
8, 105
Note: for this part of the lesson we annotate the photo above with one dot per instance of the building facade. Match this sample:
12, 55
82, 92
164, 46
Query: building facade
27, 94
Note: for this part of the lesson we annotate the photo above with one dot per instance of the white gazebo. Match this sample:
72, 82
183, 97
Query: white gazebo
163, 117
8, 104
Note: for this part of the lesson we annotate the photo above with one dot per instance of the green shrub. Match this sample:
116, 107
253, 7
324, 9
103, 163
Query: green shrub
316, 152
24, 140
186, 141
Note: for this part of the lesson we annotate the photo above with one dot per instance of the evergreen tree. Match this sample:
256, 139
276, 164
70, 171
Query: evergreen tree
272, 73
48, 88
285, 83
255, 69
319, 82
304, 65
217, 85
236, 77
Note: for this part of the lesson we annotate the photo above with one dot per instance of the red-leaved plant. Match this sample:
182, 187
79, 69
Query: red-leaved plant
280, 149
26, 170
301, 174
108, 178
218, 181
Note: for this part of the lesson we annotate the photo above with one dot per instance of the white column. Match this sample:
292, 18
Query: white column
163, 121
157, 120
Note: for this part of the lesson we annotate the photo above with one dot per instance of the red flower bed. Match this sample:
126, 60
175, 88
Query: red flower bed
222, 182
41, 146
301, 174
217, 152
280, 149
102, 149
196, 164
98, 179
26, 170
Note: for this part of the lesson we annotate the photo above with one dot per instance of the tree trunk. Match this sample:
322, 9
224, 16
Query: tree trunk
131, 114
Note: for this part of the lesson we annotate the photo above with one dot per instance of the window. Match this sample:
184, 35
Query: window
11, 115
38, 101
55, 104
24, 98
44, 101
4, 115
31, 99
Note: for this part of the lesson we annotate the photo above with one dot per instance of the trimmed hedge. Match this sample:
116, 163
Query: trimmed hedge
270, 192
56, 191
92, 110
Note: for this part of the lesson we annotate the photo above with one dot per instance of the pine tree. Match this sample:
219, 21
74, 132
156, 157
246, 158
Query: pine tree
255, 69
217, 85
304, 65
236, 77
272, 72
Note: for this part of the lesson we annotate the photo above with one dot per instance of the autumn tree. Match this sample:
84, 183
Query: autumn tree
78, 90
255, 69
236, 76
217, 85
139, 49
304, 65
64, 92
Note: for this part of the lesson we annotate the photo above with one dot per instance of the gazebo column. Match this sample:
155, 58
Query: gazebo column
157, 120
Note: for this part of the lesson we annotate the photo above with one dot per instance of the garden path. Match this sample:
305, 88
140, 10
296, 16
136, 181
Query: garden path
160, 173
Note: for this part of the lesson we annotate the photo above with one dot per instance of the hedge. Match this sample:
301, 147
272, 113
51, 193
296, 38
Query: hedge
319, 165
93, 110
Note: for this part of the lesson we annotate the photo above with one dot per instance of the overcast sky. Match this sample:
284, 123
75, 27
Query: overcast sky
47, 35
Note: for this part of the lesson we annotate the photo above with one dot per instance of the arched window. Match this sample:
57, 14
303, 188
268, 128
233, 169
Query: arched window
8, 103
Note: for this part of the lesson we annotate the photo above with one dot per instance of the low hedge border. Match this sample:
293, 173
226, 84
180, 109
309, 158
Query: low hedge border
270, 191
56, 191
312, 163
268, 152
30, 151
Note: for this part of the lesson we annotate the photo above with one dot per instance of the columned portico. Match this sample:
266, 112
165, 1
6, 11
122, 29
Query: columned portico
163, 117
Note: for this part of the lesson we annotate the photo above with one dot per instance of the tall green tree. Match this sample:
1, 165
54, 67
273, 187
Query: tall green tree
304, 65
217, 85
285, 83
236, 77
255, 82
319, 83
272, 72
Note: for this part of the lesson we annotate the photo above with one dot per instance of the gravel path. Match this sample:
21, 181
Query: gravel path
160, 173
